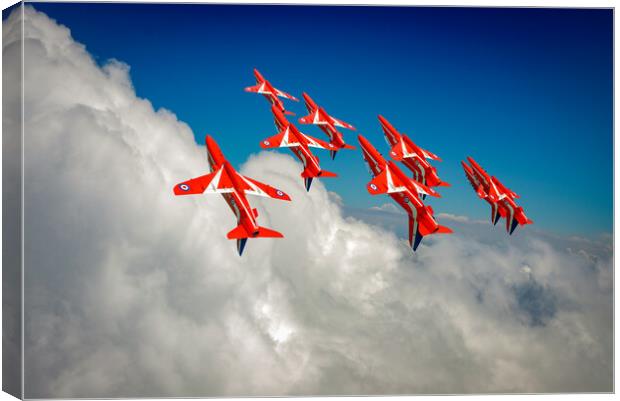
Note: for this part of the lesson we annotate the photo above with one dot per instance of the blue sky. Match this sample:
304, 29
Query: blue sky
526, 92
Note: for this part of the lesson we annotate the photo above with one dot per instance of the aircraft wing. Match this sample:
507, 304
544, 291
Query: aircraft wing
340, 123
317, 143
504, 189
283, 139
215, 182
423, 189
253, 187
310, 118
384, 183
401, 150
286, 95
258, 88
430, 155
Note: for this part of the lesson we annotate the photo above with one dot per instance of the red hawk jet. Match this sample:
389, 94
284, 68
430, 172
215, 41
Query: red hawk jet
389, 179
318, 116
497, 195
234, 187
265, 88
300, 144
412, 156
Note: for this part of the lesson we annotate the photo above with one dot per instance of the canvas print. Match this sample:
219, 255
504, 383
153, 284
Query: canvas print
207, 200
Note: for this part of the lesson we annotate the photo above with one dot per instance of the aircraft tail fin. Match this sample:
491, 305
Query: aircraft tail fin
241, 245
513, 225
240, 234
308, 177
495, 214
519, 218
416, 240
418, 231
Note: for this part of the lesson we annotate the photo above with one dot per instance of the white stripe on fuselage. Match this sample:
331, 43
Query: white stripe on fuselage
413, 214
316, 119
375, 162
501, 195
511, 213
305, 159
390, 182
261, 89
255, 189
286, 138
236, 199
421, 167
215, 182
389, 135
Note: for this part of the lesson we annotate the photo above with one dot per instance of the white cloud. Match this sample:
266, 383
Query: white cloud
388, 207
133, 292
453, 217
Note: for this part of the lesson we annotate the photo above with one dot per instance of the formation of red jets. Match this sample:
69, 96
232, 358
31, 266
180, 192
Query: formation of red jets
388, 179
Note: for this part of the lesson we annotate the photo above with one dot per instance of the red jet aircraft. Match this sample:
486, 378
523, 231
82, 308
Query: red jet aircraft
234, 187
497, 195
318, 116
265, 88
412, 156
300, 144
389, 179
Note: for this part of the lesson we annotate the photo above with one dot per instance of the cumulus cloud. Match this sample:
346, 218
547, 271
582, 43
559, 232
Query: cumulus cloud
133, 292
388, 207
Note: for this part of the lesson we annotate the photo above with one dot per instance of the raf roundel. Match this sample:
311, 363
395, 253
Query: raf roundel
266, 143
280, 193
373, 186
184, 187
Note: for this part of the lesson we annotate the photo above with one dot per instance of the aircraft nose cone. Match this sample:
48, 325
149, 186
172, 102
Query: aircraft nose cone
362, 141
